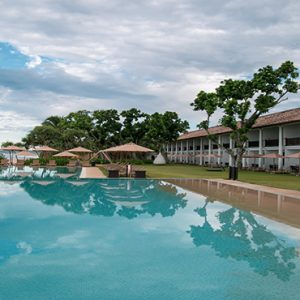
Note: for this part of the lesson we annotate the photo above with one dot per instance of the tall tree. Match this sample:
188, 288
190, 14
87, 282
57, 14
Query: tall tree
134, 127
107, 127
243, 102
163, 128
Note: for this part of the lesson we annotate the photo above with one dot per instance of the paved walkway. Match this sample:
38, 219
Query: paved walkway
91, 172
263, 188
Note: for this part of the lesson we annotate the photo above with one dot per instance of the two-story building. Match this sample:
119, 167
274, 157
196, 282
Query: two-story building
273, 133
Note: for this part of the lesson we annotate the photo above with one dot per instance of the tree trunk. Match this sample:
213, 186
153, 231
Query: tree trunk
233, 169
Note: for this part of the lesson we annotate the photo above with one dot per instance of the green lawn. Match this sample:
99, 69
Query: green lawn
284, 181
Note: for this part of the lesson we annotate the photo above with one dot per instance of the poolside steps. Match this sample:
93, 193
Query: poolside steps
91, 172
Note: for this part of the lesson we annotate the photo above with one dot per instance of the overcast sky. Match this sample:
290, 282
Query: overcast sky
62, 56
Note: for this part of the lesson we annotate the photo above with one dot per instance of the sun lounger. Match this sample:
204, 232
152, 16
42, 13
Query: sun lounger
52, 163
35, 163
20, 163
4, 162
72, 164
113, 173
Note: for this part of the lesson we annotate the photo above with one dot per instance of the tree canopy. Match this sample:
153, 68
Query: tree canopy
101, 129
244, 101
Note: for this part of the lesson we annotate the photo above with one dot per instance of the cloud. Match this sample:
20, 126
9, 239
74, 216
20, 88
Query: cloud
154, 55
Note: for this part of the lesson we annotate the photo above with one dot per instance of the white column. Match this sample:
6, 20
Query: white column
260, 146
194, 151
209, 151
280, 147
187, 151
219, 149
176, 151
201, 151
181, 152
171, 152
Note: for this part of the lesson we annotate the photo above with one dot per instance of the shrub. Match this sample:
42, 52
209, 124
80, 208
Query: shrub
99, 161
61, 161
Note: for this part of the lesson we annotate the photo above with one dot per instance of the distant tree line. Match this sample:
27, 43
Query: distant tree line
101, 129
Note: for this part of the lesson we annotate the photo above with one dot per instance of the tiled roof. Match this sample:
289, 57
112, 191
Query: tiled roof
284, 117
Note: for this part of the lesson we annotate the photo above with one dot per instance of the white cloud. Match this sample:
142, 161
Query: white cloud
154, 55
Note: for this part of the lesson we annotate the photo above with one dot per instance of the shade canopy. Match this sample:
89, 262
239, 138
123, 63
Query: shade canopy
252, 155
80, 150
12, 148
272, 155
213, 155
130, 147
45, 149
294, 155
25, 153
66, 154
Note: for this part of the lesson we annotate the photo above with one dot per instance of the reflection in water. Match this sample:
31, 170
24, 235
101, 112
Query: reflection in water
282, 208
239, 235
242, 238
234, 233
126, 198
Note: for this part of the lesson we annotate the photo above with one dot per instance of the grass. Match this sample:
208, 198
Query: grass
284, 181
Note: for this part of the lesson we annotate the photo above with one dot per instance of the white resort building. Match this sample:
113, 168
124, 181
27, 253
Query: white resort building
274, 133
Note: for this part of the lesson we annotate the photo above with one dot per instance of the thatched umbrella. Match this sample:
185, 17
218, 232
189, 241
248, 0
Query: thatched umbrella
11, 150
295, 155
252, 155
66, 154
129, 148
82, 152
45, 149
272, 156
24, 154
209, 156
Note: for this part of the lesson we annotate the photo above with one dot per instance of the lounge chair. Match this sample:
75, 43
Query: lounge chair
20, 163
72, 164
137, 172
35, 163
113, 173
51, 163
4, 162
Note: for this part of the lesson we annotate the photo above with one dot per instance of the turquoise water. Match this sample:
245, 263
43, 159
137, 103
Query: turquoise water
138, 239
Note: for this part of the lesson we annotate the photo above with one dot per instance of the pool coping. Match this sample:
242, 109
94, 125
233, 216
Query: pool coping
252, 186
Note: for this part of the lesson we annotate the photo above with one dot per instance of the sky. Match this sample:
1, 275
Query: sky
155, 55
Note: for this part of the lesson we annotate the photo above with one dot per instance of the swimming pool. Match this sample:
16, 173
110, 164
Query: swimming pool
146, 239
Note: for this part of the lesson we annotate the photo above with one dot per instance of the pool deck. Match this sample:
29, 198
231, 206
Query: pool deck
91, 172
263, 188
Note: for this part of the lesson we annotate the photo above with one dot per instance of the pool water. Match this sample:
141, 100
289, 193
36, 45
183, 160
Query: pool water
145, 239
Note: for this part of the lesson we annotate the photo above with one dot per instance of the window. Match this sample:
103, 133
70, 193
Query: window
252, 144
292, 141
271, 143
